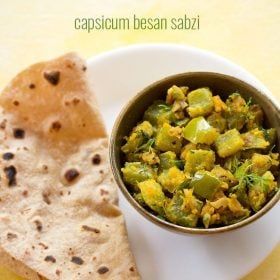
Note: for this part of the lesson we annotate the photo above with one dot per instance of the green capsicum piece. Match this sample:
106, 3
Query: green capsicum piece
254, 139
200, 102
169, 159
135, 172
184, 208
199, 160
158, 113
229, 143
152, 195
139, 135
236, 112
198, 130
171, 178
169, 138
204, 184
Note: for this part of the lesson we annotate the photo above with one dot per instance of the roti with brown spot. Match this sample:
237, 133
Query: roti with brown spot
59, 217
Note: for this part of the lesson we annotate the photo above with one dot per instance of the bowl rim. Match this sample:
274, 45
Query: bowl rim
148, 215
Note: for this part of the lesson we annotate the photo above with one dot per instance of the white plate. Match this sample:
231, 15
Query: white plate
162, 255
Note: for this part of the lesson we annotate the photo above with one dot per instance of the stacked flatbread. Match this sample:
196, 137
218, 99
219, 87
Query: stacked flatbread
59, 217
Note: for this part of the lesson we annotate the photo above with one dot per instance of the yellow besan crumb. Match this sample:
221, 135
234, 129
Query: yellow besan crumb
175, 132
219, 105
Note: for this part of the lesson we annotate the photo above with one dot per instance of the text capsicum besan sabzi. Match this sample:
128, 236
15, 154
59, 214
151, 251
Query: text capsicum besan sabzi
137, 23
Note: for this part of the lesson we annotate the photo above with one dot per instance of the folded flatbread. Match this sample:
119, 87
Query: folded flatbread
59, 217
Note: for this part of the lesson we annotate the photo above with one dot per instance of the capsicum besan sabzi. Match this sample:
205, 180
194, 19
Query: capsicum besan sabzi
199, 161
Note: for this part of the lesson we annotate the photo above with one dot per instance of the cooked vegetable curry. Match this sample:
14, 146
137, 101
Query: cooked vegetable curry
196, 160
